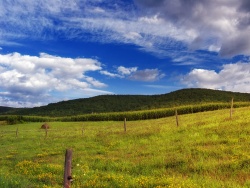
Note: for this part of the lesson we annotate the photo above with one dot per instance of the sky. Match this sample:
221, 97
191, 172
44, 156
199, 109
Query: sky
60, 50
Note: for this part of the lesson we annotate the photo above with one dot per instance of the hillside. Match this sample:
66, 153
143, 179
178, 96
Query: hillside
4, 109
119, 103
207, 150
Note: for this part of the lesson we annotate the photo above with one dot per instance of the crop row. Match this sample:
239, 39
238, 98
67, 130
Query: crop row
119, 116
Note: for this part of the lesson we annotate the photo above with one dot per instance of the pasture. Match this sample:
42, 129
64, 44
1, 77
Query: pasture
208, 149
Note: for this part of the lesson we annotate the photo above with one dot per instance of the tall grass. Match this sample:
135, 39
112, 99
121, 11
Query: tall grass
207, 150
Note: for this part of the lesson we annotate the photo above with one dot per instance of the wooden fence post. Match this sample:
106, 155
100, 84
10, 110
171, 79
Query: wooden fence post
176, 117
82, 130
67, 169
125, 125
231, 110
46, 132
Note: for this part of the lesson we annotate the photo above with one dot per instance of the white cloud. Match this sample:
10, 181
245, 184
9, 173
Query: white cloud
217, 24
186, 60
33, 78
162, 87
232, 77
95, 82
117, 22
132, 73
133, 35
214, 48
107, 73
164, 28
98, 10
126, 71
151, 20
147, 75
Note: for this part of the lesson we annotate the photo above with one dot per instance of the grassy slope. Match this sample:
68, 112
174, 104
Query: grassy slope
207, 150
118, 103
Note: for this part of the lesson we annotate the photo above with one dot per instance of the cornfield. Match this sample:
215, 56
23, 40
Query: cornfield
119, 116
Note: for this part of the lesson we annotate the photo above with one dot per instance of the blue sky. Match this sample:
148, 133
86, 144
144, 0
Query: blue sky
60, 50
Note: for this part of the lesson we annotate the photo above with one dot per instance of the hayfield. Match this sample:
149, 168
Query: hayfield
208, 149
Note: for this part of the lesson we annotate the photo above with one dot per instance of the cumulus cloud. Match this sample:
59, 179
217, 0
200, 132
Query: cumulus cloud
132, 73
38, 80
214, 25
162, 87
126, 71
113, 75
147, 75
232, 77
33, 78
238, 44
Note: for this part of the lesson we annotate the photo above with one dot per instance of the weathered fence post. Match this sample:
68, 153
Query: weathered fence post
82, 130
46, 132
67, 169
125, 125
231, 110
176, 117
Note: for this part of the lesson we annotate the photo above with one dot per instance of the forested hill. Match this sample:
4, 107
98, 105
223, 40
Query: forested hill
118, 103
5, 109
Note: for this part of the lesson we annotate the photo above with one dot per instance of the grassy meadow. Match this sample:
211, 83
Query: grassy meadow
208, 149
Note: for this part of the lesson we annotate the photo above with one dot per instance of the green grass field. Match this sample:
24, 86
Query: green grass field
207, 150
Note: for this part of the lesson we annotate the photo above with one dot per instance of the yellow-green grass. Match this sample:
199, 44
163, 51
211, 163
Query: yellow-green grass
207, 150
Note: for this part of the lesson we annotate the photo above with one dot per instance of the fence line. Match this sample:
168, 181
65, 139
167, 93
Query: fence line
42, 130
38, 133
81, 129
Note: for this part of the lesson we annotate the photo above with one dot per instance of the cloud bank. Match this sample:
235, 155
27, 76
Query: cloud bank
134, 74
214, 25
231, 77
38, 80
32, 79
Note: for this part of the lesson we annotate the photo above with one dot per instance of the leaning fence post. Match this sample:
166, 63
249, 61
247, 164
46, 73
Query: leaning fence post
231, 110
82, 130
176, 117
125, 126
67, 169
46, 132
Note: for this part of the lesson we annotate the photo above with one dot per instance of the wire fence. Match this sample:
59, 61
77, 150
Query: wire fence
32, 133
20, 131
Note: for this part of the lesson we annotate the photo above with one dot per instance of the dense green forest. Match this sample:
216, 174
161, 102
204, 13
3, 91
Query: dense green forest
4, 109
123, 103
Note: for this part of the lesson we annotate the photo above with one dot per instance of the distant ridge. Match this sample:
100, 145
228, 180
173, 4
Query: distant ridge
119, 103
4, 109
